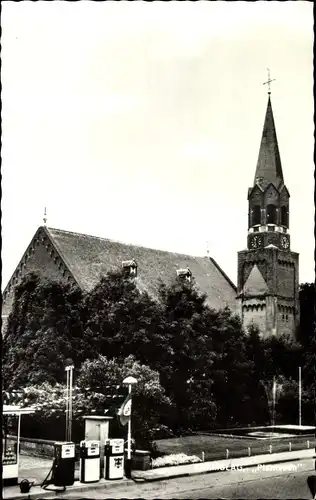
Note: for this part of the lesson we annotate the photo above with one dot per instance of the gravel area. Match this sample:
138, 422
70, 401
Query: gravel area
30, 462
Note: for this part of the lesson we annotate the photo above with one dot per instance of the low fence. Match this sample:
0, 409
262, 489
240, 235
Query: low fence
45, 448
32, 446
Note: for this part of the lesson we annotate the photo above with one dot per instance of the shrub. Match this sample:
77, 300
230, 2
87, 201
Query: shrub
176, 459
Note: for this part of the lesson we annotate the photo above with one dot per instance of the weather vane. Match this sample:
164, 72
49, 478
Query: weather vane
269, 82
45, 218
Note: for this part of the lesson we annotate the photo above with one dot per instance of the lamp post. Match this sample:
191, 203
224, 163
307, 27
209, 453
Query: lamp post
273, 402
69, 372
129, 381
299, 396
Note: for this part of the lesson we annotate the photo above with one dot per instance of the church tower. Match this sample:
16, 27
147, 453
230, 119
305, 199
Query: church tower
267, 289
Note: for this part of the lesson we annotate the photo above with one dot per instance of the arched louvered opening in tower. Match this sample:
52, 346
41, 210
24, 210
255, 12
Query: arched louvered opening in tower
285, 216
256, 215
271, 214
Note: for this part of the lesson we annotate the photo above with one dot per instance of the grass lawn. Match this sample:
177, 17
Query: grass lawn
215, 447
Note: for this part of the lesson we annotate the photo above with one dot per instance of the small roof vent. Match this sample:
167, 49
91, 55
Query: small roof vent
129, 268
184, 273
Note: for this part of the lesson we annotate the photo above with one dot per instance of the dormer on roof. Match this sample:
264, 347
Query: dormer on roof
184, 274
129, 268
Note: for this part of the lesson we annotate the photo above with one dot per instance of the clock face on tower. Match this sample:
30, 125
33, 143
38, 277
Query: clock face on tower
285, 242
255, 242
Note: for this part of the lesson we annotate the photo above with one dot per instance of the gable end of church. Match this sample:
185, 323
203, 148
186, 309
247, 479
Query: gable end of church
41, 257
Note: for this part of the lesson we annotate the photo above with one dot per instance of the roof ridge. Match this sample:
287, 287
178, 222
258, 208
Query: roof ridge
127, 243
223, 273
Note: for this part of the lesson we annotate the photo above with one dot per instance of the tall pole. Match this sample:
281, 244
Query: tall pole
273, 402
127, 411
67, 402
299, 396
69, 372
70, 402
18, 442
129, 429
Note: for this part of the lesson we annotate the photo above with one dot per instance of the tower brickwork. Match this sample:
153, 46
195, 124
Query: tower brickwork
267, 288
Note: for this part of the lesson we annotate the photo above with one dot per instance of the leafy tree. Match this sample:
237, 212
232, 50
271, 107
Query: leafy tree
124, 321
272, 357
44, 329
208, 365
49, 402
307, 299
151, 406
283, 356
234, 387
307, 336
186, 329
287, 407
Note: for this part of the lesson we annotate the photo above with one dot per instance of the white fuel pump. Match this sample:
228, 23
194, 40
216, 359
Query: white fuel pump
90, 470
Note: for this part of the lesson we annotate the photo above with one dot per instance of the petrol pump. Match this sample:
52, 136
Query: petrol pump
90, 466
63, 469
114, 453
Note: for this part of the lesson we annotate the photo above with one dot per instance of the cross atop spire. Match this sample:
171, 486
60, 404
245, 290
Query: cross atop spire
207, 249
268, 82
45, 217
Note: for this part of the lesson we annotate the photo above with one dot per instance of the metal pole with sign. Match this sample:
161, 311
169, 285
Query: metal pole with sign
126, 417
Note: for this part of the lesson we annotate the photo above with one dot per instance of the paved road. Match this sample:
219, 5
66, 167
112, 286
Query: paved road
280, 481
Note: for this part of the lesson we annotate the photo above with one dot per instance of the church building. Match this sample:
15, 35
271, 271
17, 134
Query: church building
267, 288
82, 260
268, 283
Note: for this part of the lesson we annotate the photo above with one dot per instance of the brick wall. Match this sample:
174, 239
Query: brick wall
285, 323
285, 282
41, 258
253, 312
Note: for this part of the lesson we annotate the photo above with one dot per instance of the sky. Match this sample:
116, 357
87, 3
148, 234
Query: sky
141, 122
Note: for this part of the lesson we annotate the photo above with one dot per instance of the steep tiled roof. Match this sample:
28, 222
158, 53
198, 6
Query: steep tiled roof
89, 257
269, 167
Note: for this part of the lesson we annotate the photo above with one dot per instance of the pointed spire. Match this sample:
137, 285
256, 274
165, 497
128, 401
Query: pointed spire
269, 168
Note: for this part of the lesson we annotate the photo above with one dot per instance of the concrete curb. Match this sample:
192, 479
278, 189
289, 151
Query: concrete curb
238, 462
173, 474
210, 471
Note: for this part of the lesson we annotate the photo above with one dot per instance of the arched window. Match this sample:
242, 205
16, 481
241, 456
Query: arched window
256, 215
271, 214
285, 216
